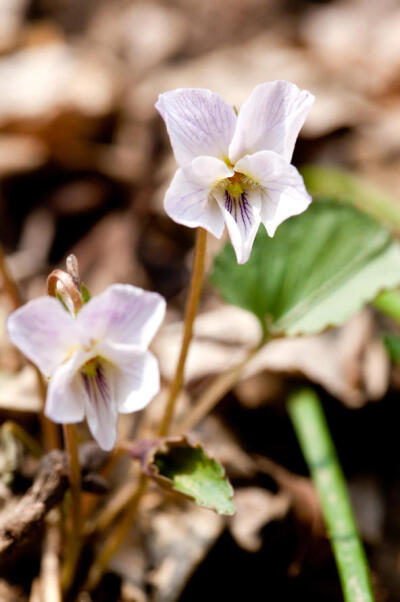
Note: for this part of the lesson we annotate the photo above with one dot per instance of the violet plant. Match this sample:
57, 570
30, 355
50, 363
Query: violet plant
235, 170
96, 359
317, 270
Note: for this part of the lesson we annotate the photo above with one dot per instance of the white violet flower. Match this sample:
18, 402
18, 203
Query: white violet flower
97, 362
235, 170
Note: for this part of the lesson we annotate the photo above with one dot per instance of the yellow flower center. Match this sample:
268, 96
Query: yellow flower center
90, 367
234, 185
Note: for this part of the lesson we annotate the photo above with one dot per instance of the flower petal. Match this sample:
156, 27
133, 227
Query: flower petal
65, 393
270, 119
100, 406
242, 218
123, 314
136, 376
187, 200
44, 331
198, 121
284, 191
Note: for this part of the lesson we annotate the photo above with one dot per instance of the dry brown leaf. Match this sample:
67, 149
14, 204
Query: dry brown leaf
19, 153
107, 253
331, 30
11, 593
131, 593
256, 390
39, 82
12, 14
139, 32
19, 392
264, 57
130, 562
34, 244
178, 542
255, 507
301, 491
336, 359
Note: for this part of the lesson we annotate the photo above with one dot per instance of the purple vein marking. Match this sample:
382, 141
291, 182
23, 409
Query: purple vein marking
97, 387
233, 203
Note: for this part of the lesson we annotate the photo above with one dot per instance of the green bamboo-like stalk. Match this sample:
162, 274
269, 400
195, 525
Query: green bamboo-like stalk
317, 446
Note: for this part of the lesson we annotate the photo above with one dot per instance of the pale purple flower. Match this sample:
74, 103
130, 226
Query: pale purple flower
235, 170
97, 362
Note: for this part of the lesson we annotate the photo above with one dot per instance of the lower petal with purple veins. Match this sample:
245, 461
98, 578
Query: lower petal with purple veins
242, 217
239, 208
100, 406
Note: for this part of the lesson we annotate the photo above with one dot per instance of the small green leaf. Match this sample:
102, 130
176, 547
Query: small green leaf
197, 476
392, 344
86, 296
178, 464
61, 300
319, 269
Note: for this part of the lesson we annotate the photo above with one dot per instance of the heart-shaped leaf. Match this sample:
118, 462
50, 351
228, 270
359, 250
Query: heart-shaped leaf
319, 269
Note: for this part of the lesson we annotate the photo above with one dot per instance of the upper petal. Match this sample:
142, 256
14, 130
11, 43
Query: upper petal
65, 393
270, 119
136, 377
44, 331
122, 314
242, 218
187, 200
284, 193
199, 122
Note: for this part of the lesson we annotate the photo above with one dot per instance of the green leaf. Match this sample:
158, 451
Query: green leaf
86, 296
392, 344
339, 185
320, 268
388, 303
188, 470
61, 300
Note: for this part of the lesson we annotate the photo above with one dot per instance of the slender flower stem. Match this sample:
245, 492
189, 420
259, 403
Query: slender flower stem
117, 536
108, 513
219, 387
90, 501
69, 285
50, 431
9, 283
71, 444
196, 286
317, 446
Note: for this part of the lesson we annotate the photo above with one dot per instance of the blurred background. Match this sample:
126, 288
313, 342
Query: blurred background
84, 164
